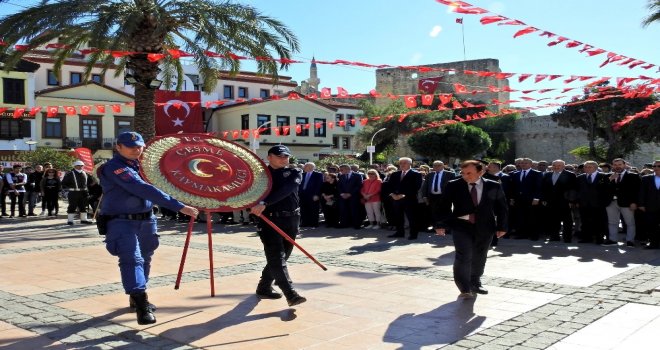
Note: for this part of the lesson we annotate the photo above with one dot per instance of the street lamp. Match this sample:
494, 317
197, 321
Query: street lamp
253, 140
592, 130
371, 149
31, 142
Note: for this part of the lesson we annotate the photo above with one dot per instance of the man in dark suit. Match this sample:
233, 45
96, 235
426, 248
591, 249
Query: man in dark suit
349, 186
434, 185
475, 210
526, 197
558, 191
494, 172
649, 204
309, 193
405, 184
625, 190
593, 195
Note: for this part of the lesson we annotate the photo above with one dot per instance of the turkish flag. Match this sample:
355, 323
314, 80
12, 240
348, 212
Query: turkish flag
34, 111
52, 111
427, 100
341, 92
325, 93
445, 98
116, 108
70, 110
411, 101
18, 112
100, 108
298, 129
85, 155
178, 112
84, 109
460, 88
428, 85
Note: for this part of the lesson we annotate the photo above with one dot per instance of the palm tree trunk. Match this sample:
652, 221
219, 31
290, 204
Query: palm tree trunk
145, 111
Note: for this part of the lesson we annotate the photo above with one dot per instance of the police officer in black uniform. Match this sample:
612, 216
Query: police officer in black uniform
282, 207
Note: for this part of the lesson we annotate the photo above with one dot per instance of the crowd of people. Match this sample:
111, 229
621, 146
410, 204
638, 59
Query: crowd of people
589, 202
24, 190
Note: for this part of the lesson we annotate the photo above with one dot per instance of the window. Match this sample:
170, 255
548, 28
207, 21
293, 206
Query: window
262, 120
53, 127
242, 92
195, 80
13, 91
339, 117
350, 120
228, 92
11, 129
245, 122
319, 132
90, 129
345, 143
264, 93
278, 92
302, 121
283, 121
335, 142
76, 78
97, 78
52, 78
122, 126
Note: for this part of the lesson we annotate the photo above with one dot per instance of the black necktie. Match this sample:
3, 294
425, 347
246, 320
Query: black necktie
524, 173
475, 201
436, 188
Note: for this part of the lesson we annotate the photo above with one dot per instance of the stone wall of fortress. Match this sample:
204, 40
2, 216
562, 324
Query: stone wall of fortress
540, 138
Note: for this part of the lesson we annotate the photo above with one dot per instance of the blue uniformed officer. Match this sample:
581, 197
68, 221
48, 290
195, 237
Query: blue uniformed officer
282, 207
131, 228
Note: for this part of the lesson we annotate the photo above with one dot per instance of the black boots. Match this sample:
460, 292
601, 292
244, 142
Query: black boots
131, 303
266, 291
293, 298
143, 310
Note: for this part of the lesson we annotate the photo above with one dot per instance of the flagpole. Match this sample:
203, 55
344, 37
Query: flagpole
463, 35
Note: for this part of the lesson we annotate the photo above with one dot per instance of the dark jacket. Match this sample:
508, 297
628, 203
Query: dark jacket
596, 194
491, 214
427, 189
313, 185
528, 189
564, 190
352, 184
409, 185
649, 195
626, 190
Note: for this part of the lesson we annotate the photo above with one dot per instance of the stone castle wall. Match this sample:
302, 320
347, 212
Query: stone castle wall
540, 138
405, 81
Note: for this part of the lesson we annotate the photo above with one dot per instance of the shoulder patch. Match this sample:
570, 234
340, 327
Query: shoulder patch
119, 171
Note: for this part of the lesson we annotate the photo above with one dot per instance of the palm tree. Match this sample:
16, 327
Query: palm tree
145, 27
654, 16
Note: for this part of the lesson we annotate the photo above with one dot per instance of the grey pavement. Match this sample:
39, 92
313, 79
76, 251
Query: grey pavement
61, 290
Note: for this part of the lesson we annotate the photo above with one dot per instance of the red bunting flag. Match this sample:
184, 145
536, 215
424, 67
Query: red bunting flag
34, 110
364, 121
70, 110
293, 96
522, 77
100, 108
374, 93
277, 131
246, 134
460, 88
427, 100
491, 19
234, 134
428, 85
456, 105
524, 31
341, 92
52, 111
155, 57
256, 133
299, 129
325, 93
312, 96
341, 123
445, 98
411, 101
116, 108
18, 112
318, 125
286, 129
84, 109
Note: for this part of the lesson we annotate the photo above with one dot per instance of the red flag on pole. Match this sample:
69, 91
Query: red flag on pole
459, 20
186, 118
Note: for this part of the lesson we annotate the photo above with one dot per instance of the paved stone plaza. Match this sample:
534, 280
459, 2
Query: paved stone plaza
60, 289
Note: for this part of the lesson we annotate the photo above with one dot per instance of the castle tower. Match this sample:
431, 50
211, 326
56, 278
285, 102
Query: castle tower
313, 80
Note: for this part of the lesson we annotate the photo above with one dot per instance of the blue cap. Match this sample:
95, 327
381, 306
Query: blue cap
280, 150
130, 139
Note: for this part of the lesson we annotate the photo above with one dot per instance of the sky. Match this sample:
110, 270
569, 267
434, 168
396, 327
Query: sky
418, 32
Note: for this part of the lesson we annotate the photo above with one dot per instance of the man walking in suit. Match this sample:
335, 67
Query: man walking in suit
475, 210
434, 186
593, 195
526, 190
649, 204
558, 192
405, 184
309, 193
350, 208
625, 190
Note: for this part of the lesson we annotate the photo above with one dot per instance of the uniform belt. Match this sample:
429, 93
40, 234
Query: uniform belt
140, 216
281, 214
76, 190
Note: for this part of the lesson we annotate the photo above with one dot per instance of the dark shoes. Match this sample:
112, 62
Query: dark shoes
395, 235
295, 299
479, 290
132, 306
142, 310
268, 293
609, 242
630, 243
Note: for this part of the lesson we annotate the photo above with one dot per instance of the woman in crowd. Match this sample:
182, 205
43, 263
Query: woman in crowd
371, 188
330, 194
50, 189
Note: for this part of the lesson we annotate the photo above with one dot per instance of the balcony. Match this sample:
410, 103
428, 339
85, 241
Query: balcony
92, 144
